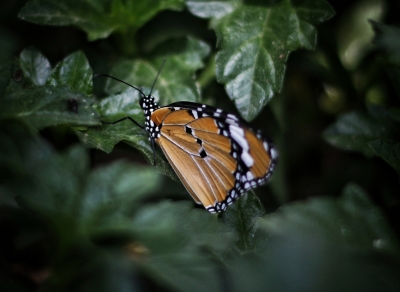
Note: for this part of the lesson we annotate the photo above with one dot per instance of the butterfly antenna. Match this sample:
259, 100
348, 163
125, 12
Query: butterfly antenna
112, 77
158, 74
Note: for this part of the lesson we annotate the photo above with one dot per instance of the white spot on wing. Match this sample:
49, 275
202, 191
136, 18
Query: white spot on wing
232, 117
274, 154
194, 113
266, 146
238, 135
247, 159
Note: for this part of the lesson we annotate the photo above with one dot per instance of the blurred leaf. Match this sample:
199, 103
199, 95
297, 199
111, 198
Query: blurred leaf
241, 218
387, 39
175, 83
297, 261
51, 183
175, 227
323, 244
352, 220
85, 268
255, 40
112, 192
185, 272
74, 71
48, 106
354, 32
97, 18
354, 130
387, 150
35, 66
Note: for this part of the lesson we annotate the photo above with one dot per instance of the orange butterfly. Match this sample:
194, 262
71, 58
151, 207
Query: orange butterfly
216, 155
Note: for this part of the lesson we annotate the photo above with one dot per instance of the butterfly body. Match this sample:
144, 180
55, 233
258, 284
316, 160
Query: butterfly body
216, 155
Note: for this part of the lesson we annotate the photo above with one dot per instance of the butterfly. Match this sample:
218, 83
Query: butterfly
216, 155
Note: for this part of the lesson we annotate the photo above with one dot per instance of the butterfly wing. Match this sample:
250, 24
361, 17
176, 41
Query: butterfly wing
216, 155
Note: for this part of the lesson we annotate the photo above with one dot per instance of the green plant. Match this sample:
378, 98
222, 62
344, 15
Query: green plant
72, 220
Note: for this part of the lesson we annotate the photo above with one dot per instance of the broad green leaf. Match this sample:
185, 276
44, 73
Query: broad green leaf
107, 136
296, 261
175, 82
353, 131
35, 66
174, 227
241, 218
389, 151
50, 182
255, 41
353, 221
97, 18
45, 106
74, 71
323, 244
114, 191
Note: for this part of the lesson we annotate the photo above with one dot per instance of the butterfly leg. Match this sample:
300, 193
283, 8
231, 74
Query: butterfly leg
154, 152
123, 119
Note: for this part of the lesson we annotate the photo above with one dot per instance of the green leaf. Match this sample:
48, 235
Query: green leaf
51, 183
97, 18
174, 227
107, 136
115, 190
74, 71
175, 83
241, 218
35, 66
255, 41
389, 151
184, 272
353, 131
353, 221
300, 262
323, 244
45, 106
